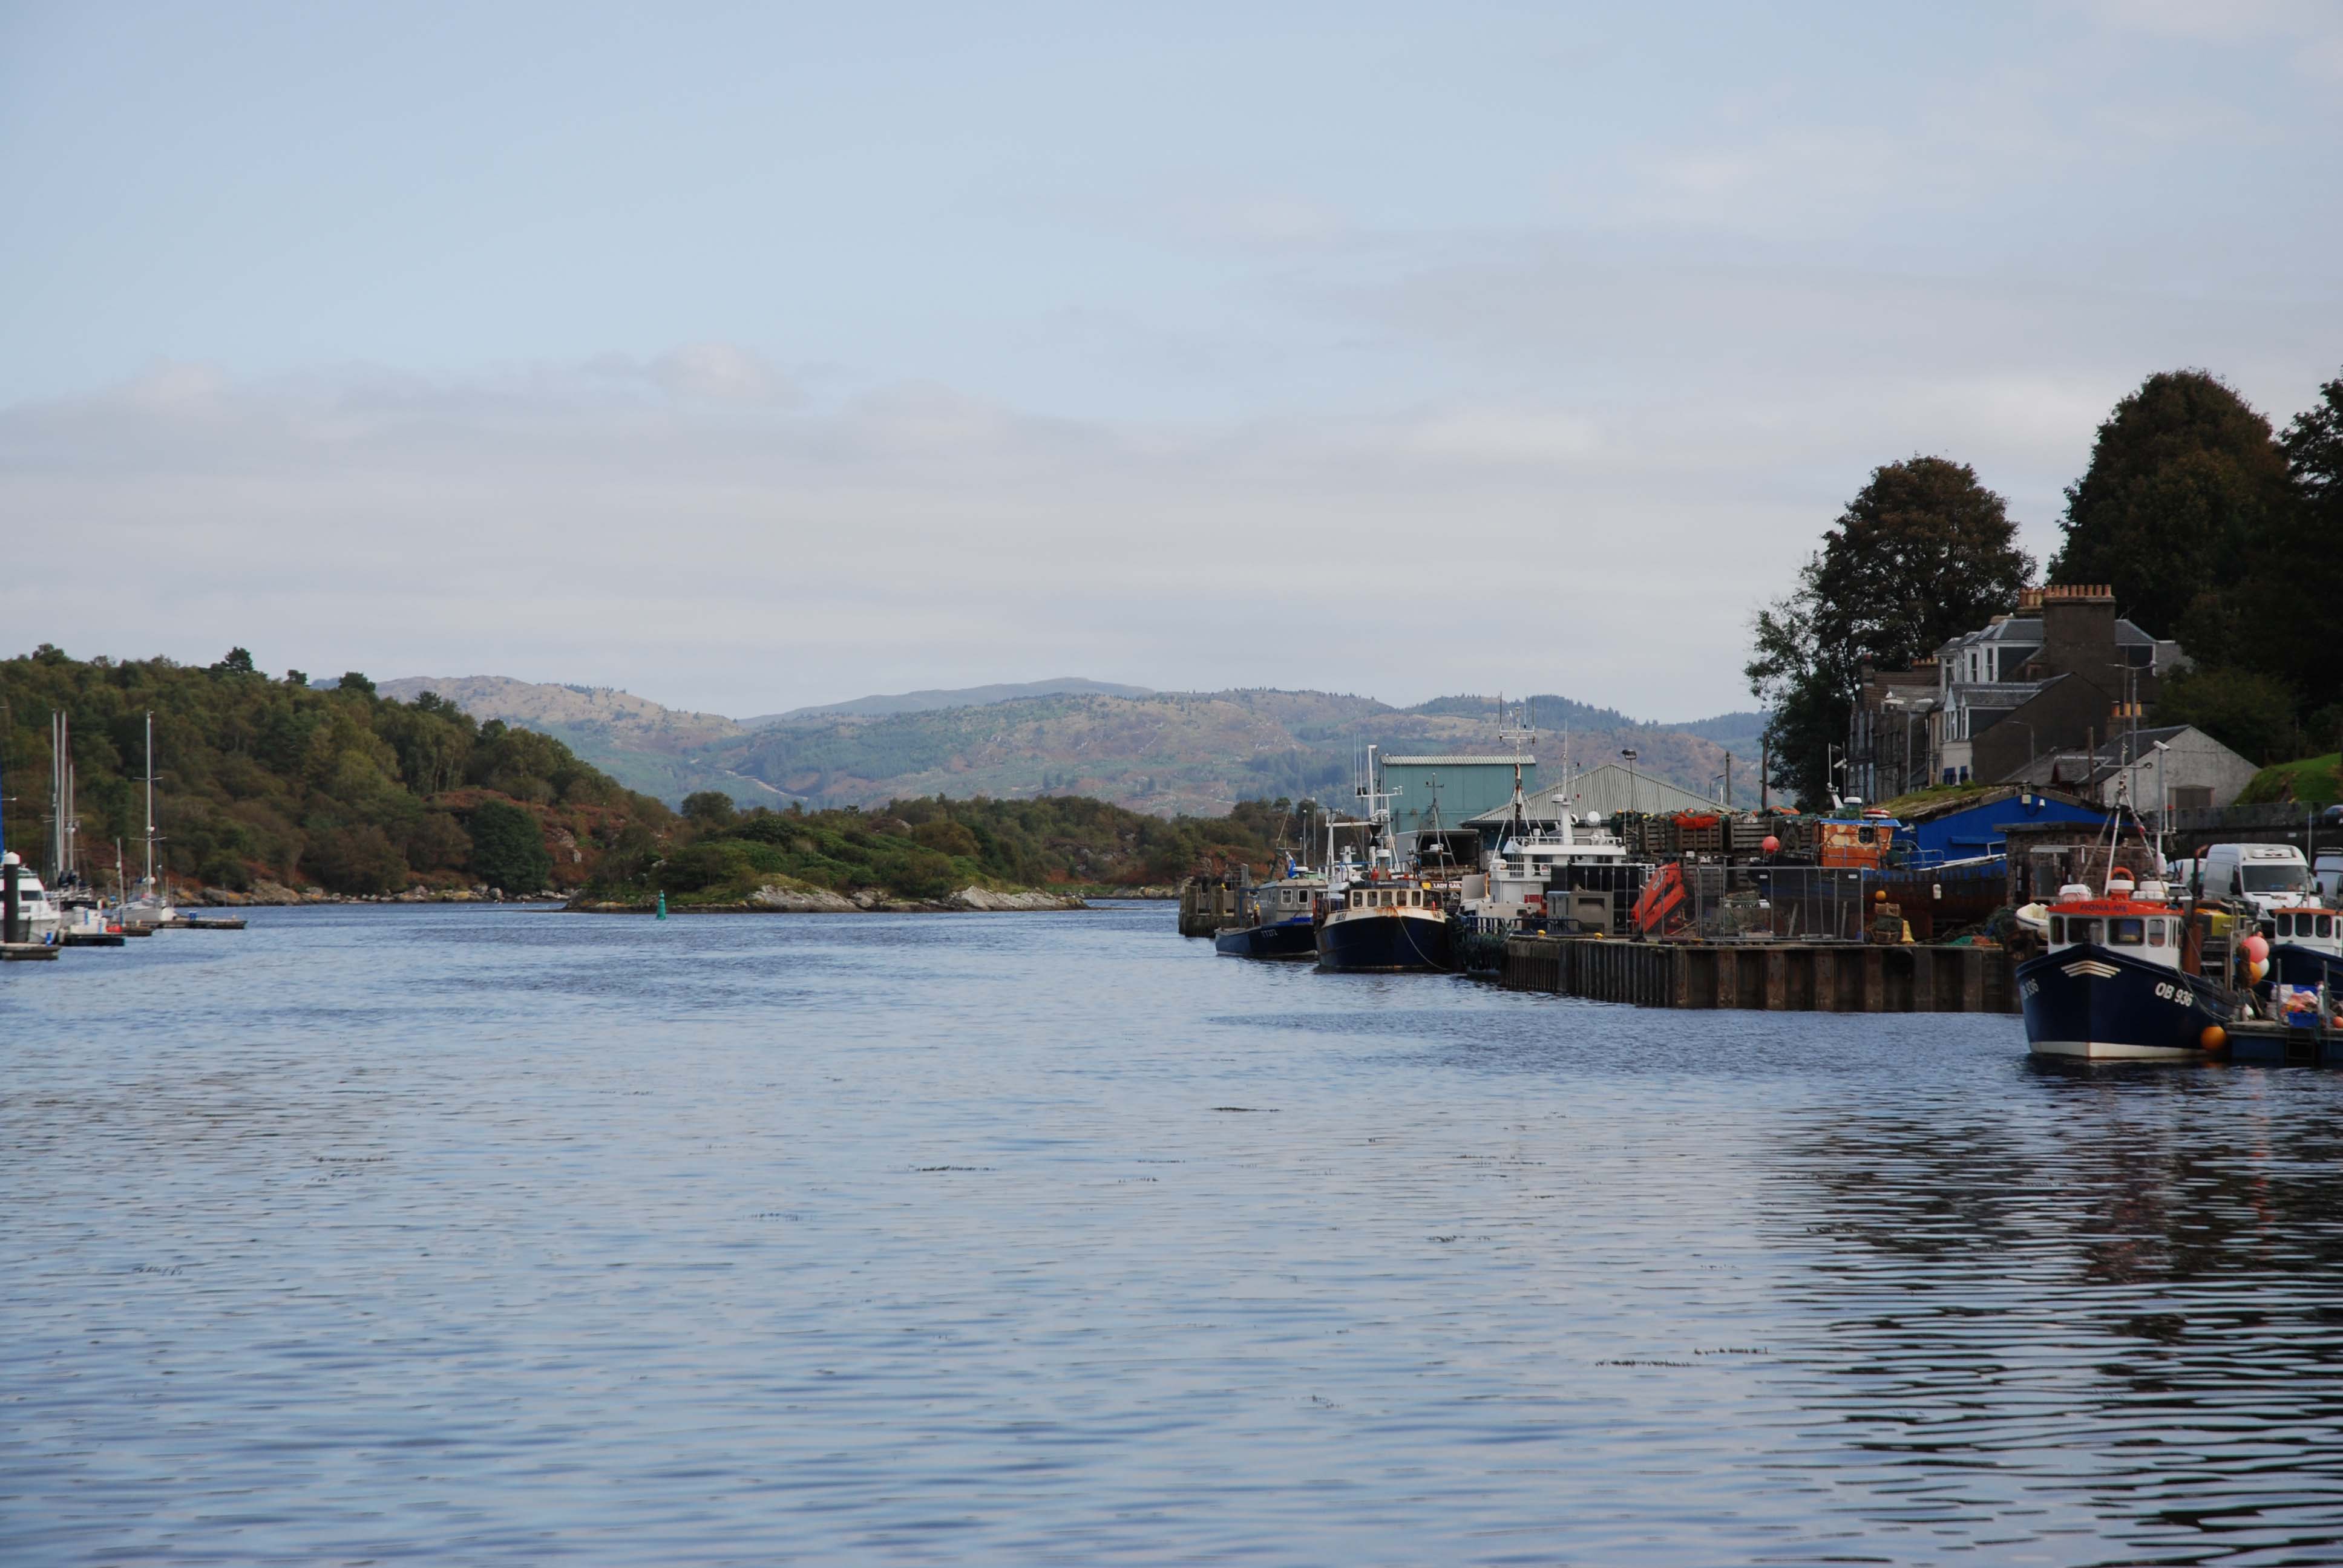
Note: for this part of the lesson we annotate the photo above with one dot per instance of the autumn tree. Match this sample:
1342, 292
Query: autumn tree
1923, 553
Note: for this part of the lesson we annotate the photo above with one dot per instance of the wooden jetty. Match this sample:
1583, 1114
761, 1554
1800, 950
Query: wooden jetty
1775, 977
1208, 903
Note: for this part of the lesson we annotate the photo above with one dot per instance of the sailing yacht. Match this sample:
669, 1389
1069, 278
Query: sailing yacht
151, 906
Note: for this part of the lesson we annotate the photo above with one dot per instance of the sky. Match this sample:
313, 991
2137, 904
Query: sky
752, 357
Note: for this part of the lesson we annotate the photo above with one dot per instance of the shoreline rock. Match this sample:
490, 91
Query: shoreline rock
777, 900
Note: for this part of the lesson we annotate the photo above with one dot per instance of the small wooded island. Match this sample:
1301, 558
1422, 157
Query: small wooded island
276, 790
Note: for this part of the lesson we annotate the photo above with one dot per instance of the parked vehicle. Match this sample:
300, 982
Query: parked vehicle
2269, 877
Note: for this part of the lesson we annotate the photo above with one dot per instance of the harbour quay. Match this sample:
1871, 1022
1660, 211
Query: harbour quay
1772, 977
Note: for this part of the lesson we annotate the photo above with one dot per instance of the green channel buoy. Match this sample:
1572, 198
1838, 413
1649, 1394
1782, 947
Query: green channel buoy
662, 914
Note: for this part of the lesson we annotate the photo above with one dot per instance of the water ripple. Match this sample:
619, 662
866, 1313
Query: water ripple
478, 1235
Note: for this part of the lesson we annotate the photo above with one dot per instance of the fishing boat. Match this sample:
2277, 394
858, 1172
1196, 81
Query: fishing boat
1378, 918
1532, 858
2111, 982
1387, 924
1283, 918
2306, 949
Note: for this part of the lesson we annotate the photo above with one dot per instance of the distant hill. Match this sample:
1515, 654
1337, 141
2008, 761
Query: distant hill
962, 696
1739, 733
1163, 752
1168, 753
657, 749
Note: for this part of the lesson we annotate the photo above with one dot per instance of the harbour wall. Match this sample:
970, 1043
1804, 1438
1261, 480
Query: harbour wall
1773, 976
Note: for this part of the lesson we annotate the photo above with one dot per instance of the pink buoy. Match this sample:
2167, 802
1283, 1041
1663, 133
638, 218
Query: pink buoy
1771, 845
2257, 948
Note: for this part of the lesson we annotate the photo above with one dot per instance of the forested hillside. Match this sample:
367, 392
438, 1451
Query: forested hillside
263, 779
268, 779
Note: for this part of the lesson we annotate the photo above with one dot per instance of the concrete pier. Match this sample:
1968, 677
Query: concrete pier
1772, 977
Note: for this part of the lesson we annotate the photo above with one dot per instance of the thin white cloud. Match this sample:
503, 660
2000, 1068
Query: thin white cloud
742, 556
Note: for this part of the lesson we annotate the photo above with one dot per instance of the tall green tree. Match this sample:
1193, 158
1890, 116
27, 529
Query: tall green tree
2308, 597
2250, 713
508, 848
2186, 491
1923, 553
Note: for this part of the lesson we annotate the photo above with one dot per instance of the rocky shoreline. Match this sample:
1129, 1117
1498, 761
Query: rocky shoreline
267, 894
766, 900
803, 901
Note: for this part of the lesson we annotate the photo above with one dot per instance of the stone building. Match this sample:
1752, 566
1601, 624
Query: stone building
2064, 671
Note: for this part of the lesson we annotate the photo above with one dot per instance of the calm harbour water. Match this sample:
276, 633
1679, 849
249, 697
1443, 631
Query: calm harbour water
485, 1235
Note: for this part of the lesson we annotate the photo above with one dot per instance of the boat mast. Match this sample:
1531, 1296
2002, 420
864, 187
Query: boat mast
1519, 738
150, 800
56, 799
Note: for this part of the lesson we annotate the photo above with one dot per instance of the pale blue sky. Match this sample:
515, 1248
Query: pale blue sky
1144, 345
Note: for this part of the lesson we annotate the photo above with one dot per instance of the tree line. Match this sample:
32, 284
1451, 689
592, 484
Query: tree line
271, 777
262, 777
2212, 527
928, 847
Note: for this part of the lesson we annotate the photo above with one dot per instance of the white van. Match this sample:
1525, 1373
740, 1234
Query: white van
2328, 873
2268, 876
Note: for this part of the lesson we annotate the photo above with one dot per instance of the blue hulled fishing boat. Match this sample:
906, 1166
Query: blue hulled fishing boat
1284, 924
2111, 983
1388, 925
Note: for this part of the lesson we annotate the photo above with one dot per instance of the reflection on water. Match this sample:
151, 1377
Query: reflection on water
2113, 1297
478, 1235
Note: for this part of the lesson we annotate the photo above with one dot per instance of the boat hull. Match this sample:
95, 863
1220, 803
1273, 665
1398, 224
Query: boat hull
2299, 965
1388, 941
2093, 1002
1285, 939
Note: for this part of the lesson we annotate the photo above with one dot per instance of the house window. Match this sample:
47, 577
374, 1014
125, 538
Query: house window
2192, 798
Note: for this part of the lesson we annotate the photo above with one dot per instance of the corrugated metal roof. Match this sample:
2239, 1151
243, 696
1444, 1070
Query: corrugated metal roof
1459, 761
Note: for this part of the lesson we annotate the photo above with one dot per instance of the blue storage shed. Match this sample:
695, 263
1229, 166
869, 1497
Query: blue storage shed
1965, 829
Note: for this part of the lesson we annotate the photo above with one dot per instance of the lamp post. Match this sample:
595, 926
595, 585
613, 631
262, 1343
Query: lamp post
2163, 799
1629, 753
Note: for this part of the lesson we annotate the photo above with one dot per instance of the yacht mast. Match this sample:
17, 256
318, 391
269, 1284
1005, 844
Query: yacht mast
56, 799
150, 799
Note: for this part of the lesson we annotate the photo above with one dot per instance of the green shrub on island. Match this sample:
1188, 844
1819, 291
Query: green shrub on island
508, 848
931, 848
